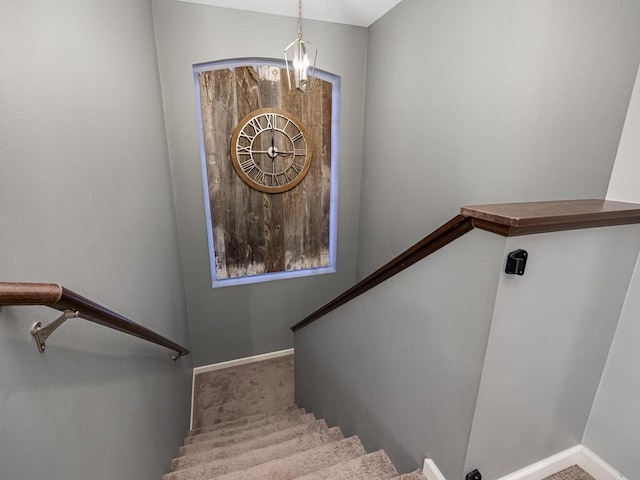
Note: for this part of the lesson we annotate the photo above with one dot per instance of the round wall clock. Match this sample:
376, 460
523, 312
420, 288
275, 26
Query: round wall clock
270, 150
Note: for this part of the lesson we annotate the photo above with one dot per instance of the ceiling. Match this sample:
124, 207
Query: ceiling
352, 12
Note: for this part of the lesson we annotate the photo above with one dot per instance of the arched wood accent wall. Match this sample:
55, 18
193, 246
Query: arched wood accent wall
254, 232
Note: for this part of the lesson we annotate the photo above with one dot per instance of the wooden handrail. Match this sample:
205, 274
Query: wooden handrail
507, 219
60, 298
447, 233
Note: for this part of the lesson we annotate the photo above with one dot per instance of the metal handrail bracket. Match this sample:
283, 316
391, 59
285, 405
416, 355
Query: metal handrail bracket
73, 305
177, 355
41, 333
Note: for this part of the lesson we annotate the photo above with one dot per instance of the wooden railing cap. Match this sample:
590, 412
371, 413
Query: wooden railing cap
512, 219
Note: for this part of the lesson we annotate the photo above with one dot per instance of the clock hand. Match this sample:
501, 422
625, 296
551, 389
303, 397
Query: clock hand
273, 145
284, 154
274, 177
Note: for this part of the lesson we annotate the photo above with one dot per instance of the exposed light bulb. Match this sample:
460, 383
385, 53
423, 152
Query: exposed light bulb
300, 65
300, 59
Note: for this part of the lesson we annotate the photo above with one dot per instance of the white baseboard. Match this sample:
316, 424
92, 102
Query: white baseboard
578, 455
547, 466
597, 467
232, 363
242, 361
431, 470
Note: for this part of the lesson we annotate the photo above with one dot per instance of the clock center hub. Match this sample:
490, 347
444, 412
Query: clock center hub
273, 152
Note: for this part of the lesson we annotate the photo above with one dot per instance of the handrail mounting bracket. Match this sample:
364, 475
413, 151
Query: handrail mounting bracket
177, 355
41, 333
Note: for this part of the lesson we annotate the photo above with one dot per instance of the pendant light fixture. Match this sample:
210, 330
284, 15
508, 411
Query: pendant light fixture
300, 63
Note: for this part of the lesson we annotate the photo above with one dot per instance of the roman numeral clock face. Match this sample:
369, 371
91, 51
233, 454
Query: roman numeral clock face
270, 150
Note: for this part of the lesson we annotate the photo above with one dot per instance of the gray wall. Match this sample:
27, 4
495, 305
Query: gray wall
234, 322
85, 200
613, 431
623, 185
481, 102
456, 361
550, 336
400, 365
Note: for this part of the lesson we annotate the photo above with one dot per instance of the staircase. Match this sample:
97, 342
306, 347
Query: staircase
236, 440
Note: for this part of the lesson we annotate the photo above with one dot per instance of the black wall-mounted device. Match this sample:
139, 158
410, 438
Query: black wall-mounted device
516, 262
473, 475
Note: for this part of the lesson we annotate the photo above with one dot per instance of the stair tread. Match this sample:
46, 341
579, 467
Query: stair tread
416, 475
240, 420
256, 456
252, 430
373, 466
301, 463
240, 390
246, 423
238, 442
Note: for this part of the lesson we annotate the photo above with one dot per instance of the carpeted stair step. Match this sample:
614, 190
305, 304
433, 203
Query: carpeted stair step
301, 463
248, 437
374, 466
256, 456
234, 449
242, 421
417, 475
246, 427
241, 390
223, 429
253, 430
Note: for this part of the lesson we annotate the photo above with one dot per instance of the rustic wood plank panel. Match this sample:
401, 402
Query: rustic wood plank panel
256, 232
312, 216
248, 203
269, 87
321, 193
294, 200
324, 181
212, 142
225, 119
304, 245
325, 157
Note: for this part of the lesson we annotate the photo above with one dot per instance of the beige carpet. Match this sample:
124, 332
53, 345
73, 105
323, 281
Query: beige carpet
246, 426
571, 473
236, 392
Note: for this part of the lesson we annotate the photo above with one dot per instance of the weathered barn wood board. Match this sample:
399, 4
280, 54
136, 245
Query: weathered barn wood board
256, 232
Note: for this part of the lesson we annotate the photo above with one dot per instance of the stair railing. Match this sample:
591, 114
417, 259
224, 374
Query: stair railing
73, 305
507, 219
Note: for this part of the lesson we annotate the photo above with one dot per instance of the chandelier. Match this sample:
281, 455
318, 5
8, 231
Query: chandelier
299, 62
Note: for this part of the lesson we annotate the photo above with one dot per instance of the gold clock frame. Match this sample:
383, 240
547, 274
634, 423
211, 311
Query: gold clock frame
293, 119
